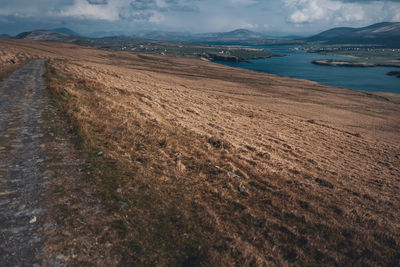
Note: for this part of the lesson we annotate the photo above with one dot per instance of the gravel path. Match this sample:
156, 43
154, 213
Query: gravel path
22, 174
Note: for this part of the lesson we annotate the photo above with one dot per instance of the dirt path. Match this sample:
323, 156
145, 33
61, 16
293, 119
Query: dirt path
22, 170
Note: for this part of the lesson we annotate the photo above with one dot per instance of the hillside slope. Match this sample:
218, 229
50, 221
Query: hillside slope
385, 33
46, 35
239, 35
195, 163
64, 30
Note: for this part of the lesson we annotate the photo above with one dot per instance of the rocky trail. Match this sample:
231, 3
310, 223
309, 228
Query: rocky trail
22, 170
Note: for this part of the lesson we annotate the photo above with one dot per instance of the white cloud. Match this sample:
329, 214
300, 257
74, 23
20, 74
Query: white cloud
332, 12
83, 9
27, 8
306, 11
311, 12
161, 3
156, 18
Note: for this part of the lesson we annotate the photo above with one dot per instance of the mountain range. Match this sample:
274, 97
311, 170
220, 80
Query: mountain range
239, 35
65, 31
383, 34
67, 35
46, 35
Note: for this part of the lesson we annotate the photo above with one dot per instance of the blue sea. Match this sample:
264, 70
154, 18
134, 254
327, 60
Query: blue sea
297, 64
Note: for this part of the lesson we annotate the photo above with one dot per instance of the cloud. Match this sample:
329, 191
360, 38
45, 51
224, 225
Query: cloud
98, 2
165, 5
156, 11
29, 8
292, 16
243, 2
308, 11
337, 12
364, 1
86, 9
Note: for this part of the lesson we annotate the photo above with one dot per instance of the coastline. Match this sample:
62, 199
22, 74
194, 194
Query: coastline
236, 59
299, 65
385, 95
342, 63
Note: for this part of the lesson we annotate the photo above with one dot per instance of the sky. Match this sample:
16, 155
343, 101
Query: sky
279, 17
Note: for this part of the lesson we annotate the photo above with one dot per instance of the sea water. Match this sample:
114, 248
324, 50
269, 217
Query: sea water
298, 64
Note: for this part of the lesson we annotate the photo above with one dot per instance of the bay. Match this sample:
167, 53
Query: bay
297, 64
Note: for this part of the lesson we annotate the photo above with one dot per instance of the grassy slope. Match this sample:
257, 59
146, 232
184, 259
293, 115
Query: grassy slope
306, 173
10, 62
182, 208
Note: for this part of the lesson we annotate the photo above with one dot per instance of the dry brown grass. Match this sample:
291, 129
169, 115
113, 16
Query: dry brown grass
9, 62
205, 164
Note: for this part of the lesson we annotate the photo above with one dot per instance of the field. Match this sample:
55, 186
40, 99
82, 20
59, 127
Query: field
11, 61
187, 162
224, 52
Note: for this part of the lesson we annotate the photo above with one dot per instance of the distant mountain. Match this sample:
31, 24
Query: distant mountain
65, 31
240, 35
46, 35
234, 36
385, 33
67, 35
5, 35
50, 35
100, 34
166, 36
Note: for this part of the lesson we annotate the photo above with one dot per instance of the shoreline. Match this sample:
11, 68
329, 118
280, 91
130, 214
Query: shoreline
393, 96
214, 57
339, 63
305, 79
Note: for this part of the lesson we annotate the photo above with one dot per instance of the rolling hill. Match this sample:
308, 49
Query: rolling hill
165, 36
384, 33
232, 36
150, 45
65, 31
46, 35
239, 35
183, 162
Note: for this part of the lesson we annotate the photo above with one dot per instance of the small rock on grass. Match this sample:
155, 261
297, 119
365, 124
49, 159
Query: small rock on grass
33, 220
243, 188
234, 175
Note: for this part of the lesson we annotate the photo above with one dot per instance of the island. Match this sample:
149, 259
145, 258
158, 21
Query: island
395, 73
358, 55
340, 63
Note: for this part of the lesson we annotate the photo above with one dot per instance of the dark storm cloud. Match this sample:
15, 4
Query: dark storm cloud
98, 2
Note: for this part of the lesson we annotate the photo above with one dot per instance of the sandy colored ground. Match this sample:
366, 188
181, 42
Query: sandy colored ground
304, 172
